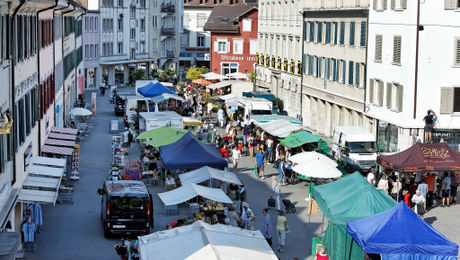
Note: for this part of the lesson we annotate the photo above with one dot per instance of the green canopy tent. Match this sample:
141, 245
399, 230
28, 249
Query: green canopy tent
346, 200
162, 136
304, 137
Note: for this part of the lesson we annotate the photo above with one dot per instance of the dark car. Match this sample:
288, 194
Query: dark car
119, 102
126, 208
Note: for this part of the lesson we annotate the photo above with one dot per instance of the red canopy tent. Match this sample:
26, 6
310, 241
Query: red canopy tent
201, 82
423, 158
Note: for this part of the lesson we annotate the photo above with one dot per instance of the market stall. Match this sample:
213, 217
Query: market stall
67, 137
189, 153
61, 130
207, 173
302, 138
280, 127
346, 200
317, 169
203, 241
58, 142
162, 136
399, 233
154, 89
46, 161
189, 191
44, 171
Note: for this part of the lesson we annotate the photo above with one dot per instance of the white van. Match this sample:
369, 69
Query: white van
248, 107
355, 147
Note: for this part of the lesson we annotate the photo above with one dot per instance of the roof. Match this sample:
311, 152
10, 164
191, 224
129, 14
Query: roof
160, 115
225, 18
203, 241
124, 187
352, 130
189, 191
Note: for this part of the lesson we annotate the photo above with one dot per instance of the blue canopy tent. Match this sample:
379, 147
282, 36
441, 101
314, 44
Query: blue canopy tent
189, 153
154, 89
399, 233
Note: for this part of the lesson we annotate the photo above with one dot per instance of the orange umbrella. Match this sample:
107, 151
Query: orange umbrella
201, 82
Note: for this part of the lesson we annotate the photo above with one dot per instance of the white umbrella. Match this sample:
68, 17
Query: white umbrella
307, 157
79, 111
213, 76
317, 169
236, 75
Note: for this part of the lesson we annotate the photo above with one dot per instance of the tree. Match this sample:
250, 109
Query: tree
252, 76
137, 75
196, 73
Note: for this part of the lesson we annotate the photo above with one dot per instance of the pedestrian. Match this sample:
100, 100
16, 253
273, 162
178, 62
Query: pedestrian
454, 187
383, 183
276, 192
269, 143
233, 216
224, 151
209, 107
236, 155
227, 129
322, 255
371, 176
423, 188
248, 221
445, 188
102, 87
246, 209
251, 143
260, 163
220, 117
281, 170
430, 180
126, 142
246, 133
429, 124
281, 229
419, 201
396, 189
267, 230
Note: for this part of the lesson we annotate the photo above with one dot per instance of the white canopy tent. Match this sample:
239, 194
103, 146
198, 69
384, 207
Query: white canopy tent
307, 157
213, 76
206, 173
237, 75
41, 183
203, 241
44, 171
217, 85
317, 169
46, 161
37, 196
280, 128
166, 96
190, 191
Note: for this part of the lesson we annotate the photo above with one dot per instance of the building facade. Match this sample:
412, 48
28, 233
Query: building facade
90, 38
279, 54
124, 40
334, 75
233, 38
410, 70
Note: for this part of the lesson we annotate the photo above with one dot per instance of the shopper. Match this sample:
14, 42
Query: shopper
260, 163
445, 188
220, 117
322, 255
269, 144
281, 229
276, 192
430, 181
423, 188
281, 170
371, 176
419, 201
236, 155
454, 187
383, 183
267, 230
233, 216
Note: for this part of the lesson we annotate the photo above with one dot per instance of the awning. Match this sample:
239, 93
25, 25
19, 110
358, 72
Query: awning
62, 136
46, 161
222, 84
61, 130
166, 96
59, 142
41, 183
37, 196
190, 191
44, 171
57, 150
299, 139
206, 173
8, 207
280, 128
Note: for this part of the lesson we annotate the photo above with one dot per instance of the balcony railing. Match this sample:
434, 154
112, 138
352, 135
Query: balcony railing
168, 8
169, 54
167, 31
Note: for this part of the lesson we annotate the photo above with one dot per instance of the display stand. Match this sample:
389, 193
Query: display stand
118, 152
75, 163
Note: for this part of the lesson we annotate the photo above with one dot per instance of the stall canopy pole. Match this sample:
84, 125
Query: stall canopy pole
346, 240
332, 242
397, 195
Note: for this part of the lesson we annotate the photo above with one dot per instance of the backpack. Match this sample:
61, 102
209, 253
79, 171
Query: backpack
130, 137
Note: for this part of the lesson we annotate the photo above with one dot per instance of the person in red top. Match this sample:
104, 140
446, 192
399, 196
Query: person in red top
430, 181
321, 255
224, 151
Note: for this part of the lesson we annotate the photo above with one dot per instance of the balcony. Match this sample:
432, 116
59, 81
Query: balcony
168, 8
168, 31
167, 54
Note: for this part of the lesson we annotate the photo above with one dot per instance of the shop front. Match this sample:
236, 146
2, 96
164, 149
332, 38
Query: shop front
449, 136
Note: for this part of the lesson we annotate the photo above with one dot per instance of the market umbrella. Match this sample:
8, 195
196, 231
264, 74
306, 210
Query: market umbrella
213, 76
317, 169
162, 132
307, 157
79, 111
236, 75
201, 82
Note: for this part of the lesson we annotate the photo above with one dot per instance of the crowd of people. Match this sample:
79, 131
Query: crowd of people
420, 191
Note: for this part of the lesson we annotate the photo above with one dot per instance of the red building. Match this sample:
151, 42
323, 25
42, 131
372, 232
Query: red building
233, 38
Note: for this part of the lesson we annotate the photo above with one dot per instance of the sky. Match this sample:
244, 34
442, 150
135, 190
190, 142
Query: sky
92, 4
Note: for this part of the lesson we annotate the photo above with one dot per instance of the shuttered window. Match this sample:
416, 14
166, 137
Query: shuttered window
399, 98
380, 93
447, 101
398, 4
389, 95
378, 48
397, 50
342, 33
371, 91
336, 30
312, 31
362, 41
350, 72
357, 74
344, 71
451, 4
319, 35
457, 52
380, 5
328, 32
352, 33
457, 100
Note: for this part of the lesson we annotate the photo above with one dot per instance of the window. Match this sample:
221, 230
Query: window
142, 47
237, 46
394, 96
319, 35
155, 21
451, 4
401, 4
120, 25
397, 50
312, 31
132, 34
229, 68
357, 74
142, 3
142, 25
96, 49
450, 100
155, 45
120, 3
86, 24
91, 19
247, 25
86, 51
328, 32
457, 52
252, 46
362, 41
200, 19
132, 13
187, 20
352, 33
200, 40
107, 3
344, 71
96, 24
387, 137
91, 51
378, 48
132, 55
336, 30
342, 33
120, 48
221, 46
350, 72
380, 5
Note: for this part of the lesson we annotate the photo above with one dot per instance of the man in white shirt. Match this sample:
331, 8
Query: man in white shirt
423, 188
246, 209
170, 180
236, 155
371, 177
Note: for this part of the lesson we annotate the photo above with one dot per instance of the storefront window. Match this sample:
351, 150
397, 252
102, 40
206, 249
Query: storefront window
387, 137
449, 136
229, 68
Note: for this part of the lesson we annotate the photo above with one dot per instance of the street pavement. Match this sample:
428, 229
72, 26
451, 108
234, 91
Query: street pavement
75, 231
